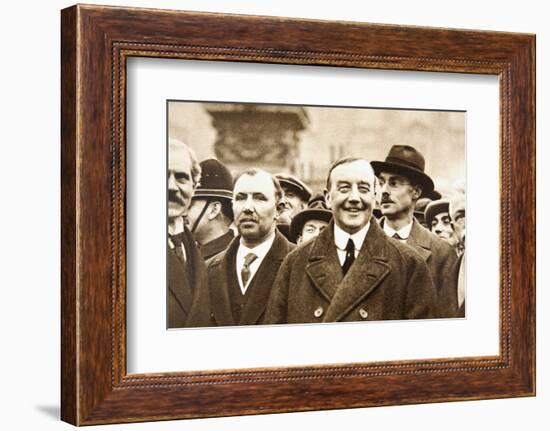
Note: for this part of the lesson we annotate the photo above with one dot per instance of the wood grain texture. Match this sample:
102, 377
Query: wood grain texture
96, 41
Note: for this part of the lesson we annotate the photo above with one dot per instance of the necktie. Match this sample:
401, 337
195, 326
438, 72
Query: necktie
245, 271
177, 240
350, 256
396, 236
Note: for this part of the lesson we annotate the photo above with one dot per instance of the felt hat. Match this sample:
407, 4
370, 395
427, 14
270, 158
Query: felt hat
316, 210
408, 162
434, 208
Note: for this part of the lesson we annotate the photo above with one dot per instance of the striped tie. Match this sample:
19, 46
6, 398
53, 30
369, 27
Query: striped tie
245, 271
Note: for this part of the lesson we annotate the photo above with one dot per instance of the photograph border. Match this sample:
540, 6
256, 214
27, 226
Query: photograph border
96, 41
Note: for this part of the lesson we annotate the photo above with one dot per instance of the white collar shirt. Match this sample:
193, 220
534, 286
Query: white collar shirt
341, 238
403, 233
260, 251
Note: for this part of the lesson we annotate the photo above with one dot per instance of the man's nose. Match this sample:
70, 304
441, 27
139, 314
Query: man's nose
353, 194
248, 204
172, 185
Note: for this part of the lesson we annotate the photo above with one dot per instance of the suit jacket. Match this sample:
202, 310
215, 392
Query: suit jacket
441, 259
213, 307
217, 245
388, 280
185, 279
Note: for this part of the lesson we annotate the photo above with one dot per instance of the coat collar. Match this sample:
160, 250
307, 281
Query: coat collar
420, 239
224, 264
217, 245
368, 270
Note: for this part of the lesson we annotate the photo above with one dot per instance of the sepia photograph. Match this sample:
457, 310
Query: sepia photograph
294, 214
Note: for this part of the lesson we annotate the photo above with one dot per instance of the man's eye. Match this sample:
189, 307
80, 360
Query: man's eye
239, 198
363, 189
343, 189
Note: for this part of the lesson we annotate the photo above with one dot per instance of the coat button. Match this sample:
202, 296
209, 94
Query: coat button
363, 313
318, 312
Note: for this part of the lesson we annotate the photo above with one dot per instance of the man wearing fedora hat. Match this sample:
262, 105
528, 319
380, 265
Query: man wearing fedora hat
309, 223
403, 181
351, 271
185, 266
210, 214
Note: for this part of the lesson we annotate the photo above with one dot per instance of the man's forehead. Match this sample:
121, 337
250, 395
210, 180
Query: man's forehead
179, 159
386, 175
358, 170
260, 182
315, 222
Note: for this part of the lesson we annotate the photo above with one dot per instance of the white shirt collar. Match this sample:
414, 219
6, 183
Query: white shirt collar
403, 233
177, 226
341, 237
260, 250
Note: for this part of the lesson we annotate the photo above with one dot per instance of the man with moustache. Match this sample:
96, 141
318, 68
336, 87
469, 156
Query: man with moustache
402, 182
351, 271
186, 269
240, 278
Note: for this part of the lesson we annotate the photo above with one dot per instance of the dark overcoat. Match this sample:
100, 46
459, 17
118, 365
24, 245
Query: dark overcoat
388, 280
217, 245
212, 306
441, 259
185, 279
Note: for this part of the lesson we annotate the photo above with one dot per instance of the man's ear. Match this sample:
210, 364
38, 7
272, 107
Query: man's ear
417, 192
326, 194
214, 209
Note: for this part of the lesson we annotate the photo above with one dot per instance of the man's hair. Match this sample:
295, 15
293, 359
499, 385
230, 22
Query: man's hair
196, 169
255, 171
345, 161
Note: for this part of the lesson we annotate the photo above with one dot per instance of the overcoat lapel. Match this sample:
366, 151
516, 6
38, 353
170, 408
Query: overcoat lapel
263, 280
219, 287
420, 241
178, 283
366, 273
323, 267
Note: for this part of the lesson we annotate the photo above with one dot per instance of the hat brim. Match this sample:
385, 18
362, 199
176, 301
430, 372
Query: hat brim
435, 208
418, 177
214, 195
303, 194
298, 222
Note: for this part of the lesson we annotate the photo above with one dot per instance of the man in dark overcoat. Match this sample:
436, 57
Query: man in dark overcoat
351, 271
185, 266
402, 182
241, 277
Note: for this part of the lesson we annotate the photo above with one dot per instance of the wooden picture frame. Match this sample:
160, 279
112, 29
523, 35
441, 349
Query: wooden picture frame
96, 42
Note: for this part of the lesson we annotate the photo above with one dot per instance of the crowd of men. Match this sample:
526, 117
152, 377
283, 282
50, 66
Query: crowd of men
379, 243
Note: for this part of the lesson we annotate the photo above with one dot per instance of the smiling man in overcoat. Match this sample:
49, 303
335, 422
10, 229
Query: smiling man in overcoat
352, 271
